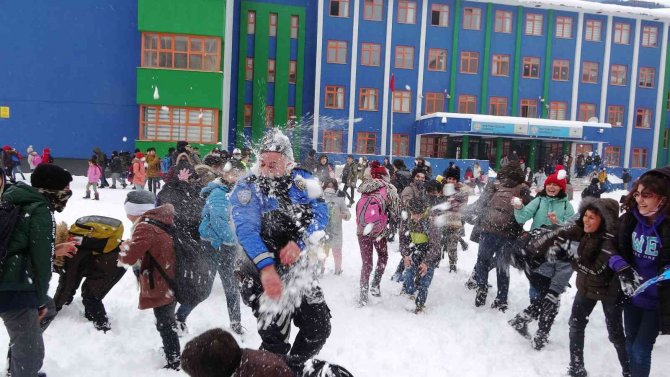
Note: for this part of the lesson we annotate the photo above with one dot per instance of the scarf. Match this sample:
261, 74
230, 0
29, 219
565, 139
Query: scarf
57, 198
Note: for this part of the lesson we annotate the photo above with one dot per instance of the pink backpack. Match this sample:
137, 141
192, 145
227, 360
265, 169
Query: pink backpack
371, 209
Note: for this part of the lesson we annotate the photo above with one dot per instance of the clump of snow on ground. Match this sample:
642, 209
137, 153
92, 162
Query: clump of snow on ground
452, 338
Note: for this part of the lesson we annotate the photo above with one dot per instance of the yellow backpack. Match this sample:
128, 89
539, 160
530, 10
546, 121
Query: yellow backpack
99, 234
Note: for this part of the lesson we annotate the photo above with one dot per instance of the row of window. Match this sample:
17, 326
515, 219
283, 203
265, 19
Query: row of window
269, 116
472, 18
163, 123
368, 100
272, 24
500, 64
271, 70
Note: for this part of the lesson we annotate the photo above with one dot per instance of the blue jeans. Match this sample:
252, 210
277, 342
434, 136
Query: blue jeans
410, 287
493, 246
641, 331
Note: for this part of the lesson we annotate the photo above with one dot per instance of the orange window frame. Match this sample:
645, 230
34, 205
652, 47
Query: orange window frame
465, 102
334, 92
612, 155
248, 115
647, 33
469, 62
295, 26
272, 24
362, 142
158, 123
590, 33
372, 49
559, 108
404, 52
269, 116
647, 75
370, 9
533, 64
588, 70
272, 70
251, 22
249, 69
435, 53
621, 33
564, 25
407, 6
400, 98
503, 22
292, 71
618, 75
337, 52
365, 94
434, 103
400, 144
586, 111
499, 62
557, 70
498, 106
529, 104
443, 14
331, 141
532, 21
643, 116
639, 159
615, 114
340, 5
472, 18
159, 51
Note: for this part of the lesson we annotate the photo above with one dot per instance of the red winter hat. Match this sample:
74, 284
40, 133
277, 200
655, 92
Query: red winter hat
139, 155
6, 148
558, 178
377, 171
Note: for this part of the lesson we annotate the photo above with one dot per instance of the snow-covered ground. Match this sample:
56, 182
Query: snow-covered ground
452, 338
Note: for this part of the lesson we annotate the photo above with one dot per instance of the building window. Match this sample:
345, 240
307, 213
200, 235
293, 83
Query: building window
534, 24
563, 27
639, 159
498, 106
337, 52
467, 104
249, 69
372, 10
649, 36
366, 143
434, 146
560, 70
437, 59
292, 72
434, 103
251, 22
248, 114
334, 97
590, 72
339, 8
402, 101
500, 66
647, 77
615, 114
503, 23
469, 62
593, 30
621, 33
643, 118
558, 110
163, 123
531, 68
295, 26
472, 18
406, 12
271, 70
586, 111
612, 156
404, 57
368, 99
400, 145
439, 15
273, 25
181, 52
269, 116
618, 75
290, 117
529, 108
333, 141
370, 54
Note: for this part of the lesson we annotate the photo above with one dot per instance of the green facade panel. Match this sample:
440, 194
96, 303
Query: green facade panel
197, 17
179, 88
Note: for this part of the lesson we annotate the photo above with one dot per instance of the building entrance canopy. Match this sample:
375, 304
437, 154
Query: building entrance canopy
514, 127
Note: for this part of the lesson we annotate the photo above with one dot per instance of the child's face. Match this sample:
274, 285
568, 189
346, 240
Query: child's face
416, 216
592, 221
552, 189
90, 163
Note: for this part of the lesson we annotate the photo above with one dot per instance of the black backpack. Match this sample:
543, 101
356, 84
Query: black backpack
9, 216
194, 275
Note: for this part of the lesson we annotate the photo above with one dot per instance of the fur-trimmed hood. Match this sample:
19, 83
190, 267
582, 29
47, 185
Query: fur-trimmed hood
608, 208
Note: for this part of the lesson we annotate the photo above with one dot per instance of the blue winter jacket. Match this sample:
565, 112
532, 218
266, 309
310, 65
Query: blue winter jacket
249, 204
216, 226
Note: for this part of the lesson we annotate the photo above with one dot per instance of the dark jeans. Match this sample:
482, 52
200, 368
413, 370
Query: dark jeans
25, 341
581, 310
641, 332
410, 283
493, 246
154, 184
166, 325
367, 245
349, 196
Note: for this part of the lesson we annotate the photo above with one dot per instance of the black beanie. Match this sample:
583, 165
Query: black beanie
50, 177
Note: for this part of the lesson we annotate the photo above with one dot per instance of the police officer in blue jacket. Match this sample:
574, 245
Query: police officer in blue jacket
274, 218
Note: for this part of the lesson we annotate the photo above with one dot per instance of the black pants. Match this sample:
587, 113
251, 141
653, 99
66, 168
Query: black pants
581, 310
166, 324
346, 192
312, 317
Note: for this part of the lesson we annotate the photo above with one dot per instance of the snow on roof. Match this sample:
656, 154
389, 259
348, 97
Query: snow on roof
662, 14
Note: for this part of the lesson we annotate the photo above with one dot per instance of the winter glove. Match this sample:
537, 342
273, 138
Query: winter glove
557, 253
630, 280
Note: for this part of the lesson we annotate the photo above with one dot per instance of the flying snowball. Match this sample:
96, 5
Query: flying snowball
124, 139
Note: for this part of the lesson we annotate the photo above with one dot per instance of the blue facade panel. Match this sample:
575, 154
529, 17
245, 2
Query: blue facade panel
503, 44
532, 46
563, 48
61, 89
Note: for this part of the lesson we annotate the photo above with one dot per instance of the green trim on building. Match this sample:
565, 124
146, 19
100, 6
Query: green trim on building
261, 56
499, 151
458, 7
179, 88
487, 60
532, 155
197, 17
547, 63
664, 113
517, 63
465, 147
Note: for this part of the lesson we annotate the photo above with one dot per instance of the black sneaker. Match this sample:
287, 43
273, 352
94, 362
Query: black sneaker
539, 341
452, 268
520, 324
471, 284
575, 371
419, 309
500, 305
103, 326
375, 291
480, 298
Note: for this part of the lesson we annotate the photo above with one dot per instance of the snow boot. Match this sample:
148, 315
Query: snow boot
88, 195
375, 290
112, 186
471, 283
520, 324
419, 309
96, 196
452, 268
500, 305
577, 371
237, 328
363, 299
480, 298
